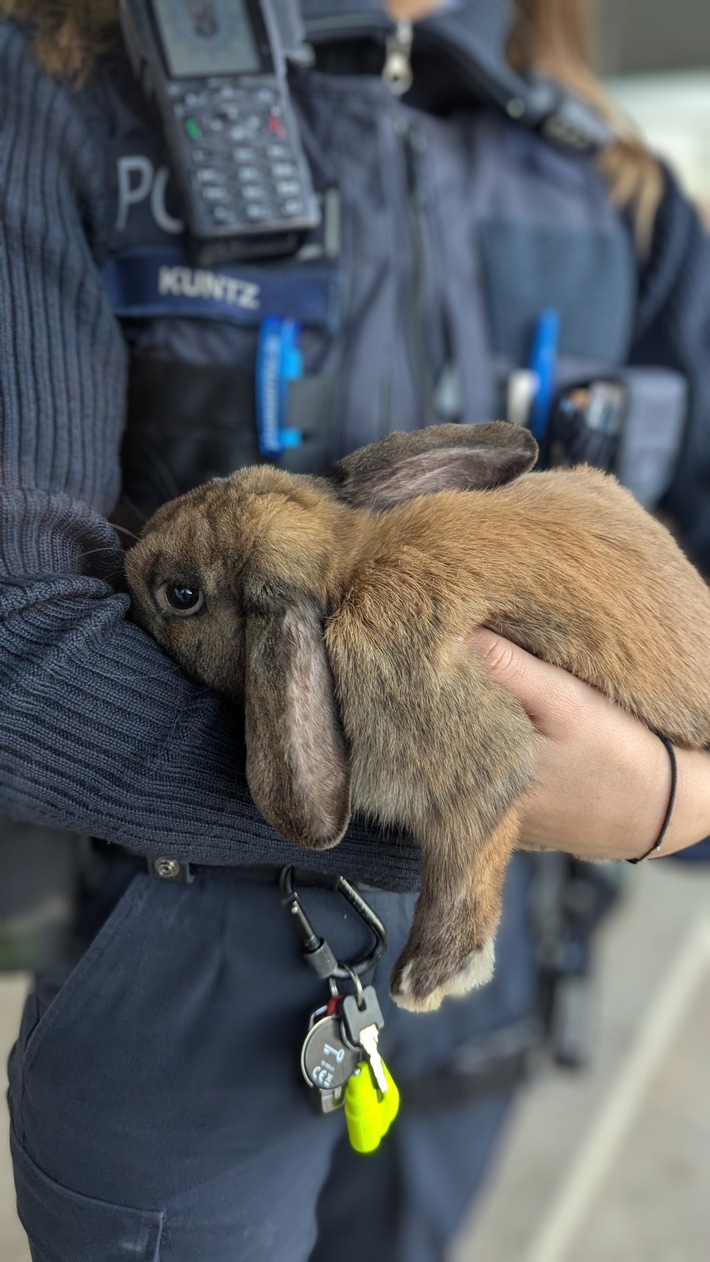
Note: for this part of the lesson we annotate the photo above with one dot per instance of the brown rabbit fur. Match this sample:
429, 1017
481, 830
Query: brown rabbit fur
338, 607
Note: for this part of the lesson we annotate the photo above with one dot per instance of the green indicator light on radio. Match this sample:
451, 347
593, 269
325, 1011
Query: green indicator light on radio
192, 129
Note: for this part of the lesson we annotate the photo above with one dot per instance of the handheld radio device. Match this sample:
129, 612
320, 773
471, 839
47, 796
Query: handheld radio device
217, 71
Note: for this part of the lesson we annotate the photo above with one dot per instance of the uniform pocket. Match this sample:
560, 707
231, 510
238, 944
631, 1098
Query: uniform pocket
194, 335
585, 274
653, 431
75, 993
64, 1226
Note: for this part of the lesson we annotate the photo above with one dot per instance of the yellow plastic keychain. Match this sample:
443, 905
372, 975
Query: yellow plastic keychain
369, 1112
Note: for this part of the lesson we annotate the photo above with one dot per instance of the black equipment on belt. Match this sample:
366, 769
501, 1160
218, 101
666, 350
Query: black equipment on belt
498, 1064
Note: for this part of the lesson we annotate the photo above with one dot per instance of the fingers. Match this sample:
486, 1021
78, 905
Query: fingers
504, 659
543, 690
601, 776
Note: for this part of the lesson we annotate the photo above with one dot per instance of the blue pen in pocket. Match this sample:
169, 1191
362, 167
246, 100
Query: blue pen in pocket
543, 362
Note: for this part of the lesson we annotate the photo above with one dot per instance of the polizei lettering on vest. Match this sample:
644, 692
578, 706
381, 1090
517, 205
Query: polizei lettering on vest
197, 282
139, 181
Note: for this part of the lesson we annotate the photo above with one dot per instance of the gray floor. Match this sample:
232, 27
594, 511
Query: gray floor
12, 1240
614, 1165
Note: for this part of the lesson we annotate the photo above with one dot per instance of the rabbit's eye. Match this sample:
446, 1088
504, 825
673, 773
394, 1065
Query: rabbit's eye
180, 598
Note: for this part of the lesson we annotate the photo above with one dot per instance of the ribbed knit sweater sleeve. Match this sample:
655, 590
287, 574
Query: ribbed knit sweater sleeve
99, 731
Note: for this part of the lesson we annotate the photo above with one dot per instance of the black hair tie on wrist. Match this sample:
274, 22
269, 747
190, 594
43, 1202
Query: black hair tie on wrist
671, 802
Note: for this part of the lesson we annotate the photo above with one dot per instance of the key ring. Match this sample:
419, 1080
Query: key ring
359, 992
315, 948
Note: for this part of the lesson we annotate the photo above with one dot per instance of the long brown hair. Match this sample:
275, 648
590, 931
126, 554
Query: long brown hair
555, 35
68, 36
559, 38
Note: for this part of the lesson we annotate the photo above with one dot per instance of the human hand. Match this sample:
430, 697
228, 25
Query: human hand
602, 778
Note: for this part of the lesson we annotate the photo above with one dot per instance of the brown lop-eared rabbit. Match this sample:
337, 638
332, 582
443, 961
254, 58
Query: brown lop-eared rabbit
337, 608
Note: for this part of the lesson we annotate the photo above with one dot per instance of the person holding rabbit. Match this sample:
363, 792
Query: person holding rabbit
157, 1107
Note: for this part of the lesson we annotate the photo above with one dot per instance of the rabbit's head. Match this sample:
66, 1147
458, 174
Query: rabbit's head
234, 547
236, 578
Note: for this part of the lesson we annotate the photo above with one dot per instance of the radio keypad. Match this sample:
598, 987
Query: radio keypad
241, 155
230, 112
224, 214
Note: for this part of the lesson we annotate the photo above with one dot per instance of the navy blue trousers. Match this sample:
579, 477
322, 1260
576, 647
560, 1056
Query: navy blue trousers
158, 1111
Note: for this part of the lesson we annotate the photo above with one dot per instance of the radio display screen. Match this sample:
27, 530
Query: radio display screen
201, 38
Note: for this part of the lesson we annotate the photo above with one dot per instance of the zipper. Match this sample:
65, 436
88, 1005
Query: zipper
397, 70
372, 23
398, 37
413, 144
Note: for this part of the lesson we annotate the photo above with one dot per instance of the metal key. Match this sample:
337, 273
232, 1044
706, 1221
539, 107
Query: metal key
368, 1042
362, 1022
330, 1101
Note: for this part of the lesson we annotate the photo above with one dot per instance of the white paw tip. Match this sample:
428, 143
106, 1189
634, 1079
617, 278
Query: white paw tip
403, 985
479, 970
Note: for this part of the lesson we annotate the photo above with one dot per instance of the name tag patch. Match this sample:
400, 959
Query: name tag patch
197, 282
150, 282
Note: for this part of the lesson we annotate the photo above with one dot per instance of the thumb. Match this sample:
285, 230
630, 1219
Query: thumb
538, 686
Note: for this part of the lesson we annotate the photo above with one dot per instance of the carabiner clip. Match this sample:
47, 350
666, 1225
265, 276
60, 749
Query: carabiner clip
315, 948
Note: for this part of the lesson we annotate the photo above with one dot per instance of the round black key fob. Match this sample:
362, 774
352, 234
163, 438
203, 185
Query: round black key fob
326, 1060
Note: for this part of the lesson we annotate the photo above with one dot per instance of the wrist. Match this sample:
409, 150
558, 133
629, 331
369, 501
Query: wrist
690, 818
644, 769
658, 840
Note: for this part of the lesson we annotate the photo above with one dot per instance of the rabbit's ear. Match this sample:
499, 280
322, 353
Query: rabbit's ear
438, 458
297, 765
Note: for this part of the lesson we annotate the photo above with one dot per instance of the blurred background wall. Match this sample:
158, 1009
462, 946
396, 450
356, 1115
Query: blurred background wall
655, 56
646, 36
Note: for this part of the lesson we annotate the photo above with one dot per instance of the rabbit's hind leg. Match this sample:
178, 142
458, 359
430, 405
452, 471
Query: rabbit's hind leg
450, 948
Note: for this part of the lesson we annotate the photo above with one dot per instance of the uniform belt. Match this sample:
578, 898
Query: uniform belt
166, 868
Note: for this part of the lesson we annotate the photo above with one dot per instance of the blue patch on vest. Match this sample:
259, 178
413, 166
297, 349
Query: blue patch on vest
153, 281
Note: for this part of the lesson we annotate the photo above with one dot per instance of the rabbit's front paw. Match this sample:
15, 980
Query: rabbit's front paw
423, 982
